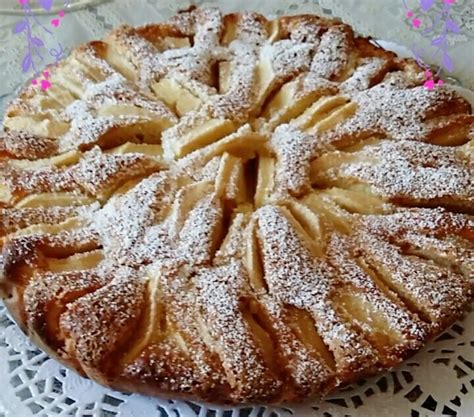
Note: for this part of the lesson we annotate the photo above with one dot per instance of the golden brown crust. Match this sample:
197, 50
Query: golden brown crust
233, 209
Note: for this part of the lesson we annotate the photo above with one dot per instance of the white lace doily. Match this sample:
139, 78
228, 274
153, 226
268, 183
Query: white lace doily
439, 381
436, 382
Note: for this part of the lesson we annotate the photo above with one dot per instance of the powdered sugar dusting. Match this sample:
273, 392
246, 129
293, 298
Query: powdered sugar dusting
294, 277
436, 290
414, 173
364, 75
294, 150
97, 174
288, 57
220, 290
159, 273
400, 113
333, 53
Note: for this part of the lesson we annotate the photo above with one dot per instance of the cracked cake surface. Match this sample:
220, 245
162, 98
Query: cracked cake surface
234, 209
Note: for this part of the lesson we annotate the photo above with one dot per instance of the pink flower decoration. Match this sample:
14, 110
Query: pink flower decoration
409, 14
428, 74
34, 82
449, 1
45, 84
416, 23
46, 74
61, 13
55, 22
429, 84
22, 2
440, 83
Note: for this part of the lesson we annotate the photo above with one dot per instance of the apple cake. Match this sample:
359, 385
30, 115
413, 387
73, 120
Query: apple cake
234, 209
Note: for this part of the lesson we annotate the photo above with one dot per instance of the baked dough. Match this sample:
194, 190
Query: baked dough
232, 209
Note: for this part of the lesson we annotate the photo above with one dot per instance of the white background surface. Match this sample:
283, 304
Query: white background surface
32, 384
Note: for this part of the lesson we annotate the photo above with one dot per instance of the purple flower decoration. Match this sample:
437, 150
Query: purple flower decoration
20, 26
46, 4
29, 26
439, 41
448, 62
452, 26
426, 4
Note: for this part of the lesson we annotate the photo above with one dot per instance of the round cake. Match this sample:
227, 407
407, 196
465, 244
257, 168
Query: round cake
234, 209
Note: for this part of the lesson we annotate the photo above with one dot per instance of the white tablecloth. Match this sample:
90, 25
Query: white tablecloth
436, 382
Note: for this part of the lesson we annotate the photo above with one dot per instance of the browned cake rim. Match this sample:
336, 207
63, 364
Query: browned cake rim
235, 210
